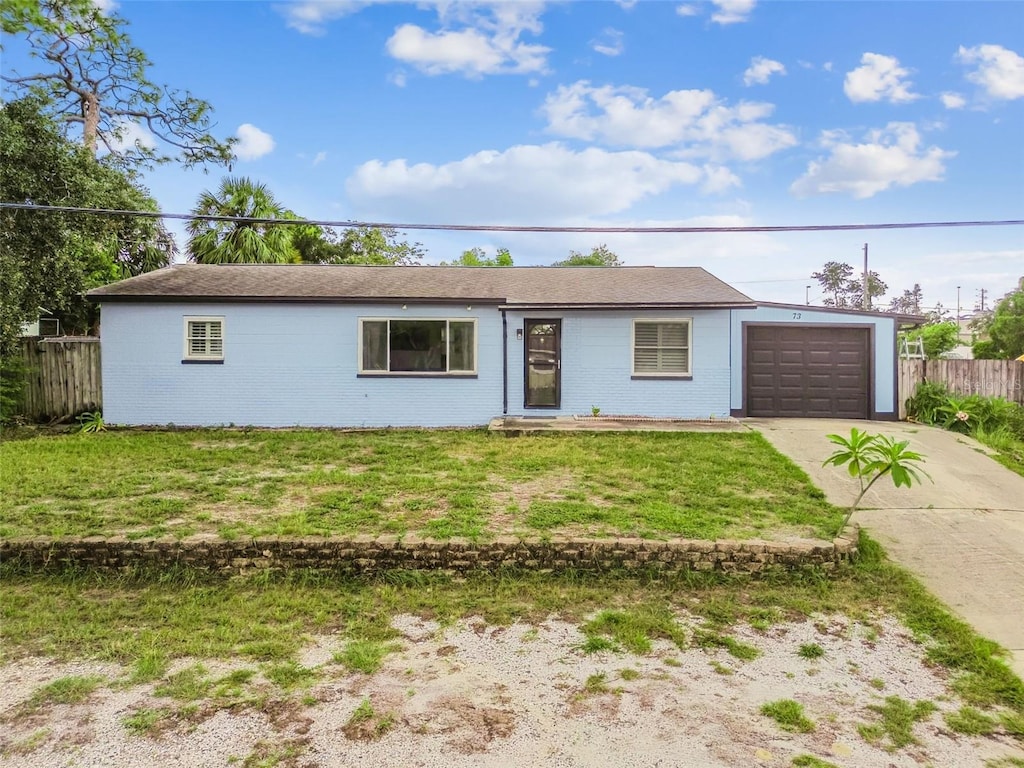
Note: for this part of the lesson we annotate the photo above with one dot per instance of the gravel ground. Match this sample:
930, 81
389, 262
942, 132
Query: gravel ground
479, 695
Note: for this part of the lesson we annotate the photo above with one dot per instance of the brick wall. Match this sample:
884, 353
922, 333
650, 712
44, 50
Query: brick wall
358, 555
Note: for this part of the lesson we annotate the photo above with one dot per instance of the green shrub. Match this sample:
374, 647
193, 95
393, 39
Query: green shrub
12, 387
926, 401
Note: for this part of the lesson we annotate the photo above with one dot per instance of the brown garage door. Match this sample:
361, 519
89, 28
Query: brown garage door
803, 371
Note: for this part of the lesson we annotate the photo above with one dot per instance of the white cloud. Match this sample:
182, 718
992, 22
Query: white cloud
879, 78
687, 9
827, 66
106, 7
252, 142
475, 39
999, 71
311, 17
127, 135
694, 122
732, 11
609, 43
889, 157
719, 179
320, 157
626, 5
761, 70
952, 100
547, 182
397, 78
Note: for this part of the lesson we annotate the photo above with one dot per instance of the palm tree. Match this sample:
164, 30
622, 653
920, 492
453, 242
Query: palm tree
239, 242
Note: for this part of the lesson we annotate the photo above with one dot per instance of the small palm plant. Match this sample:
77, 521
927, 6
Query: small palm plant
870, 458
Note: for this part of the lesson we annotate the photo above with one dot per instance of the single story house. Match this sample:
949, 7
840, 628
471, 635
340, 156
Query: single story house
368, 346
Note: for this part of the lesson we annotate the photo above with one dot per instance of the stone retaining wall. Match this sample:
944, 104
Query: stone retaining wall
358, 555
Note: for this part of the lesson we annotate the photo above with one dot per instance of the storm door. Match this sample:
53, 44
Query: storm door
543, 362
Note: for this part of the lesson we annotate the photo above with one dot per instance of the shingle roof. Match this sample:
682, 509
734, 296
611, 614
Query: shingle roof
511, 286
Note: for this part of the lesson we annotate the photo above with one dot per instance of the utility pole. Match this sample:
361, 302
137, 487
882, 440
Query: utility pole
865, 299
958, 313
807, 295
982, 293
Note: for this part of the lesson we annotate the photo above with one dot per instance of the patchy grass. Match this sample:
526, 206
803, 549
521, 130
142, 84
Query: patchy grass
146, 722
367, 724
743, 651
73, 689
970, 722
633, 629
364, 656
897, 718
789, 715
810, 761
810, 651
190, 684
191, 615
290, 675
433, 483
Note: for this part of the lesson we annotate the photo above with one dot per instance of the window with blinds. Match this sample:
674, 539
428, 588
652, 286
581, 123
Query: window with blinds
204, 338
661, 347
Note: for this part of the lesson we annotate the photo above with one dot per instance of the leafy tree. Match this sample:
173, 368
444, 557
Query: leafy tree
377, 245
476, 257
876, 289
313, 244
47, 258
95, 80
600, 256
1005, 329
909, 303
239, 242
938, 338
836, 279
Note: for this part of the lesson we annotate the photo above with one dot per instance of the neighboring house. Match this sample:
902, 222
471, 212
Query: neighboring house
362, 346
44, 325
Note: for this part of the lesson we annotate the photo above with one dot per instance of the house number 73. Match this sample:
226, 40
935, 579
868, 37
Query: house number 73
796, 315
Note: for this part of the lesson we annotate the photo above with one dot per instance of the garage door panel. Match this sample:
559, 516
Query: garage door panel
804, 371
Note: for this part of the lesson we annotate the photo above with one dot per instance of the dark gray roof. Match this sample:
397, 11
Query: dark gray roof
511, 286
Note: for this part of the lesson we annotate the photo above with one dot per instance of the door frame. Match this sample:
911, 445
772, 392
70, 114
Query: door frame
557, 323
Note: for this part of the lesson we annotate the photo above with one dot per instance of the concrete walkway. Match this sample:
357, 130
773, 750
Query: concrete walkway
962, 535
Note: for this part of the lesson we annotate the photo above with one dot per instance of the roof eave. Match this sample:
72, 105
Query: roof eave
208, 298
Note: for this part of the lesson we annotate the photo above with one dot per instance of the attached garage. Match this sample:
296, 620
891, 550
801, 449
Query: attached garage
795, 361
808, 371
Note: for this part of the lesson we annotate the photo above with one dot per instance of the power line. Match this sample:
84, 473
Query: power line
507, 228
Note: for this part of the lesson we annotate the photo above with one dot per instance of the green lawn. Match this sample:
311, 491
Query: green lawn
433, 483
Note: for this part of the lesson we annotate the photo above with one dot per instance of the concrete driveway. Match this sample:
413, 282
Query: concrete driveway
962, 536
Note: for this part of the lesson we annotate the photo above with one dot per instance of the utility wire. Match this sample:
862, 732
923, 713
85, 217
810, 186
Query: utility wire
507, 228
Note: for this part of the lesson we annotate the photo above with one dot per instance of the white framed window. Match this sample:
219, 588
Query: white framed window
204, 338
662, 347
417, 346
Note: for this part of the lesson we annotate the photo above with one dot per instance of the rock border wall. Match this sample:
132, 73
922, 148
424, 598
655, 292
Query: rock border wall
368, 555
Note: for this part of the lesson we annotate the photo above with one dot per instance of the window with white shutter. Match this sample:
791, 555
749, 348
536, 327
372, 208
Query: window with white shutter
661, 347
204, 339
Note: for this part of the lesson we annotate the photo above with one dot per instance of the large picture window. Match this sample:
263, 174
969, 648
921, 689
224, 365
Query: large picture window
661, 347
424, 347
204, 338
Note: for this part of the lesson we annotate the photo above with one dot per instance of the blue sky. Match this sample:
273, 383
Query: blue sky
731, 113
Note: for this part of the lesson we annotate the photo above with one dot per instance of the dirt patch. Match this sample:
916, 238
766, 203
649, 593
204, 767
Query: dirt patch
484, 696
520, 494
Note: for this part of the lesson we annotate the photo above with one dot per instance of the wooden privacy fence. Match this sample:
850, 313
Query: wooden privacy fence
62, 377
989, 378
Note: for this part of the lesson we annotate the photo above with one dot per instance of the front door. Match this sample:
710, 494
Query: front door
543, 362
